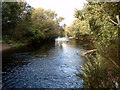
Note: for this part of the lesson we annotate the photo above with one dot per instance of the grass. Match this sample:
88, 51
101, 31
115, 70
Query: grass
97, 74
16, 45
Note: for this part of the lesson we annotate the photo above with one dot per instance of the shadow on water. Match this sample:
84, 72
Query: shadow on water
51, 65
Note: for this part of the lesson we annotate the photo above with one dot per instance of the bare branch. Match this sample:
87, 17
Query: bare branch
113, 21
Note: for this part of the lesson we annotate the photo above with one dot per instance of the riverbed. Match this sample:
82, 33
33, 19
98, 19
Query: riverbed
51, 65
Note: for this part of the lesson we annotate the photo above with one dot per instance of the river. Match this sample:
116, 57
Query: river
52, 65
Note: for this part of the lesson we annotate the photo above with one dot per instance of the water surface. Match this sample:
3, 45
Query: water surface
52, 65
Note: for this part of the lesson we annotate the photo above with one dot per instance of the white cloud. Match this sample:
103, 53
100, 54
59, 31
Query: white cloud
64, 8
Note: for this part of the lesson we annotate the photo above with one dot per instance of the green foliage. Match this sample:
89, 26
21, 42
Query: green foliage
101, 70
45, 24
17, 45
79, 14
16, 20
6, 39
97, 75
99, 20
78, 29
22, 23
14, 13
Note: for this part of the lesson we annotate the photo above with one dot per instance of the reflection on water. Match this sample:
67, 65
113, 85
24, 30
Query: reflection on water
62, 39
53, 65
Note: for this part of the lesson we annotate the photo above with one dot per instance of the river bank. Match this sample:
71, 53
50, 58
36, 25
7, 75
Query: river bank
4, 47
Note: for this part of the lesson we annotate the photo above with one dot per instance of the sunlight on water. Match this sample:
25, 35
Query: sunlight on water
64, 45
62, 39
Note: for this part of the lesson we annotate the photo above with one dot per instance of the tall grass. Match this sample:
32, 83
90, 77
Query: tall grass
99, 72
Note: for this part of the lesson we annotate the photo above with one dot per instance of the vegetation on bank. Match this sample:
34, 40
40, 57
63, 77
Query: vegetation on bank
98, 21
24, 24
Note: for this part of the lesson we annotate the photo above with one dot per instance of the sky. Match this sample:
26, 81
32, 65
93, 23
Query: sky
64, 8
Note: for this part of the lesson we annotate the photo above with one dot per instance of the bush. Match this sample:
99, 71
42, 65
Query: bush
98, 75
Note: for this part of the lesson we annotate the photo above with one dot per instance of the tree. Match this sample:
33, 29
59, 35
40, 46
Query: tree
15, 16
44, 23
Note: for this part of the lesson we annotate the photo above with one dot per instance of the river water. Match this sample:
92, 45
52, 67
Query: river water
52, 65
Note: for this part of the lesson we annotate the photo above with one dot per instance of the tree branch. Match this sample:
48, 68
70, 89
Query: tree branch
113, 21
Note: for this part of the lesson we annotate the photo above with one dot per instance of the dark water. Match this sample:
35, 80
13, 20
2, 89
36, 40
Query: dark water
52, 65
